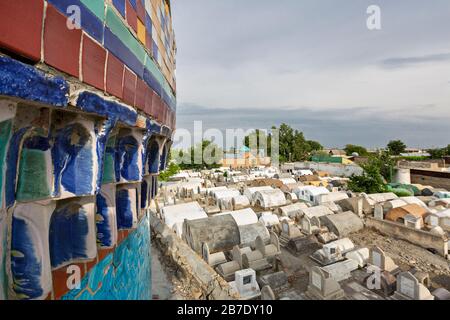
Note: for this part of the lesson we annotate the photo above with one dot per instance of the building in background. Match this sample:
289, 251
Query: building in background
245, 158
87, 111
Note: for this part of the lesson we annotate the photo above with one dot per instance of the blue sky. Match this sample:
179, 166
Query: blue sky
314, 65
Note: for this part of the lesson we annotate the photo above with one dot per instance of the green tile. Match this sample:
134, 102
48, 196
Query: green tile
5, 134
97, 7
117, 27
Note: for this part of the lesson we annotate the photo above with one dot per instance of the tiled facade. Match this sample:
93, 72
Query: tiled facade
86, 120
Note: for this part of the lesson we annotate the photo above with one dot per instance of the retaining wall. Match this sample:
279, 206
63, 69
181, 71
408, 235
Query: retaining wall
195, 271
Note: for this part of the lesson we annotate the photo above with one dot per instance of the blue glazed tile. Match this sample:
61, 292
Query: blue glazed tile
125, 275
134, 4
26, 267
89, 22
120, 6
26, 82
113, 44
69, 228
90, 102
148, 24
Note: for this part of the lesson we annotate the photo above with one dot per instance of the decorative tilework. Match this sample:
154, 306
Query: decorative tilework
124, 274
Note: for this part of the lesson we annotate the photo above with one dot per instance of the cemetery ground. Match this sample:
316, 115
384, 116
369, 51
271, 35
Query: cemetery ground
404, 254
407, 255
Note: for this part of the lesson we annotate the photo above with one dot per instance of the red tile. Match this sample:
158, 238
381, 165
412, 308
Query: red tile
129, 87
114, 76
159, 109
131, 15
120, 237
156, 107
148, 101
140, 10
60, 277
21, 27
141, 90
102, 253
61, 45
94, 59
164, 113
90, 265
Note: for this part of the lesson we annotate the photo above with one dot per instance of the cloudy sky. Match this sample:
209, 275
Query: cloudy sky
315, 65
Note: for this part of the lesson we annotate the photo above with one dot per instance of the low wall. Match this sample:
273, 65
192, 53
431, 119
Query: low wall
431, 178
334, 169
197, 274
421, 238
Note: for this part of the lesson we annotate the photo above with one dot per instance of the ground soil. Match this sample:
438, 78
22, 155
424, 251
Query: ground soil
407, 255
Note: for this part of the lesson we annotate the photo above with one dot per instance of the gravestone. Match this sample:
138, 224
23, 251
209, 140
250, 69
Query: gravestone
245, 284
379, 259
322, 286
213, 259
409, 288
289, 230
310, 225
237, 253
378, 213
277, 281
267, 294
341, 270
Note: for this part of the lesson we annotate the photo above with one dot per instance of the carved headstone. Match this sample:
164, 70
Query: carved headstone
409, 288
379, 259
322, 286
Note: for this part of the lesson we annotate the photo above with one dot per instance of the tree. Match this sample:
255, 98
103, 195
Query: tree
314, 146
371, 181
396, 147
292, 144
385, 164
437, 153
350, 149
204, 155
261, 140
171, 170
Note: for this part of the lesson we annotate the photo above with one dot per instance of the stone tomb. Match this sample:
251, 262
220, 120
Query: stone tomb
213, 259
379, 259
267, 294
322, 286
277, 281
409, 288
310, 225
341, 270
245, 284
270, 251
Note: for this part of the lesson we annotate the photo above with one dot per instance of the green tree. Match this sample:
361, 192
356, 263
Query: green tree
371, 181
396, 147
314, 146
350, 149
385, 164
292, 144
261, 139
204, 155
171, 170
437, 153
